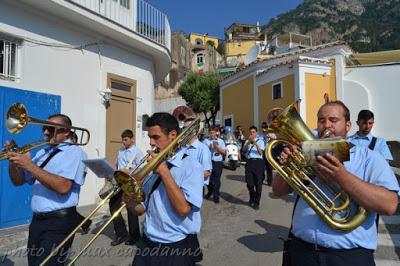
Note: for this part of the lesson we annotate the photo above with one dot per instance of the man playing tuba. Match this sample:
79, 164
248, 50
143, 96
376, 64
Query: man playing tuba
366, 178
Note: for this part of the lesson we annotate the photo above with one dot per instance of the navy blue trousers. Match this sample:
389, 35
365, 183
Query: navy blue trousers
46, 234
215, 179
302, 253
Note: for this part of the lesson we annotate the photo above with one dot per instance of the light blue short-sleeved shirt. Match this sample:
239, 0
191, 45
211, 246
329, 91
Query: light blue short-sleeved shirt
199, 151
68, 164
370, 167
125, 156
221, 144
162, 223
252, 152
380, 145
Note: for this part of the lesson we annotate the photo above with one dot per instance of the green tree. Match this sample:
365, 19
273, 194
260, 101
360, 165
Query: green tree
201, 93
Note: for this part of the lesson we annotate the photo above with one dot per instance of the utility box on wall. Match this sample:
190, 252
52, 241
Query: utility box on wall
15, 201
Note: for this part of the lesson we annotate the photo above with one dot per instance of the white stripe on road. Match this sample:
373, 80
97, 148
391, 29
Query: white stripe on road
389, 219
386, 262
389, 240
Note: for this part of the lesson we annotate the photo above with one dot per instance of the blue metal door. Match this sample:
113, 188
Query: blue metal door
15, 201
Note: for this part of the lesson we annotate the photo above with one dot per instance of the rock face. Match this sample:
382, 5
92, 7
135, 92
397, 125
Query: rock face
366, 25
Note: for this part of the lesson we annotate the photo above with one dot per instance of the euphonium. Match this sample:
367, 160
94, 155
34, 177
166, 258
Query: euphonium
132, 184
332, 204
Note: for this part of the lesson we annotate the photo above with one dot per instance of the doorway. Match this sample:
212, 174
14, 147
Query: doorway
121, 113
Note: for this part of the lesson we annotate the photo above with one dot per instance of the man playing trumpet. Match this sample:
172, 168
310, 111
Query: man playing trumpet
218, 150
254, 170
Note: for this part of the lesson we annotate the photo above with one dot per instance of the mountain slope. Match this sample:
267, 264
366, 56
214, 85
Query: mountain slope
366, 25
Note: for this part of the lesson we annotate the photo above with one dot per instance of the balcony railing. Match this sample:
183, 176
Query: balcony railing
136, 15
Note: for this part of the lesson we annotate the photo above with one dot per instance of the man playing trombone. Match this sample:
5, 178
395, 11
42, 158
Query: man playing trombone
172, 203
56, 174
366, 178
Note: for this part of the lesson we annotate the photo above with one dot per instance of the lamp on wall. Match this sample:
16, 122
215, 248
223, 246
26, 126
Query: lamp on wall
106, 94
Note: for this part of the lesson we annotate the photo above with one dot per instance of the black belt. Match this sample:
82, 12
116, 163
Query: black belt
312, 246
254, 159
55, 214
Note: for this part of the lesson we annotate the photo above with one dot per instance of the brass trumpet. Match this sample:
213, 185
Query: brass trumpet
332, 204
251, 140
215, 147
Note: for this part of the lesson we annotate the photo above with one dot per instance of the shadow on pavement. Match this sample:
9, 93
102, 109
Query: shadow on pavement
4, 261
236, 178
232, 199
288, 198
109, 231
267, 242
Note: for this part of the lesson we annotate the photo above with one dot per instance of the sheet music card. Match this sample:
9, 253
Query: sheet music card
100, 167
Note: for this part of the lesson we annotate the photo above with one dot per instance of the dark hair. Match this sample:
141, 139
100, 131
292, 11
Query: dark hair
365, 115
264, 124
237, 127
214, 128
127, 133
253, 127
346, 111
165, 121
66, 121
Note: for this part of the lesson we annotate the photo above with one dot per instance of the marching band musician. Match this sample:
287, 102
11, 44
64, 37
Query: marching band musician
254, 170
218, 150
199, 151
366, 178
173, 200
129, 156
56, 174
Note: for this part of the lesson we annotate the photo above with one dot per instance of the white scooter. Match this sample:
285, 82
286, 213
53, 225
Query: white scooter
231, 160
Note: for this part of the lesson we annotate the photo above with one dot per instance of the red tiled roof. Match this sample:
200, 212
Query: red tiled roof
298, 52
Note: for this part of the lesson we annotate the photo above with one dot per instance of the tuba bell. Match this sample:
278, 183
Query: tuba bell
183, 112
325, 197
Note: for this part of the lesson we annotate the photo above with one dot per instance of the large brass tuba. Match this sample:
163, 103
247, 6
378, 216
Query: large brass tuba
330, 202
182, 112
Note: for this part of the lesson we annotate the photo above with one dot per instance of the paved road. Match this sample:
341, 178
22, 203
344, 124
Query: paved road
232, 232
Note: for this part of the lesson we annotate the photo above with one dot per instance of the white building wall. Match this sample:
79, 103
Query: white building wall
77, 75
375, 88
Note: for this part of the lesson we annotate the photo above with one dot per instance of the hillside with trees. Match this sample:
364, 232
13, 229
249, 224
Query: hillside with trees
366, 25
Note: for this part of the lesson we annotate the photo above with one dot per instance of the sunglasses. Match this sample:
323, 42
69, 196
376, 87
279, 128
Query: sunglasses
52, 129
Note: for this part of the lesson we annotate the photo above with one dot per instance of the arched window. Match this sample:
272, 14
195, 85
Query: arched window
199, 41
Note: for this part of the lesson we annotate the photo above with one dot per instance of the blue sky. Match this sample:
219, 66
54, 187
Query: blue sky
211, 16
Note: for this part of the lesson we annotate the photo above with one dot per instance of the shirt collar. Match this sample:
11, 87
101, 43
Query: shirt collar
61, 146
176, 160
369, 136
195, 144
